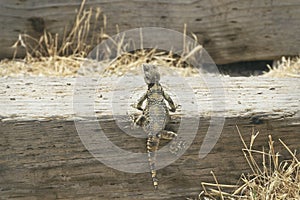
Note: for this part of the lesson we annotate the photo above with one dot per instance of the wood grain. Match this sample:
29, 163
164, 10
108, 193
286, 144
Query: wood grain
42, 156
230, 30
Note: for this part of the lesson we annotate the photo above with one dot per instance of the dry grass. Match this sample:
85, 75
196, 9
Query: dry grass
272, 180
131, 62
47, 58
286, 67
58, 55
62, 55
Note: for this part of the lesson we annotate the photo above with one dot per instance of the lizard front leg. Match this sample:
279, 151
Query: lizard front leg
140, 120
140, 102
170, 101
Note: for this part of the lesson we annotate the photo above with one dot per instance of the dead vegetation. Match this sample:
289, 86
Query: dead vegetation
131, 62
63, 55
273, 179
55, 55
58, 55
285, 67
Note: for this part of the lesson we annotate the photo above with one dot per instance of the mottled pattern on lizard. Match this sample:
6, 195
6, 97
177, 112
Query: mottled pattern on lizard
155, 115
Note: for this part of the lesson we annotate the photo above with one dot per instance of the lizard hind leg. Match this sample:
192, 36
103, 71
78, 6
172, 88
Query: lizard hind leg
168, 135
176, 145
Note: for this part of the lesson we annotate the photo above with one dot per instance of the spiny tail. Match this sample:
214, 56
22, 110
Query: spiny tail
152, 146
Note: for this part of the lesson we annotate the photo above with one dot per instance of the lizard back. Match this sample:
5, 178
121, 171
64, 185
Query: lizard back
156, 111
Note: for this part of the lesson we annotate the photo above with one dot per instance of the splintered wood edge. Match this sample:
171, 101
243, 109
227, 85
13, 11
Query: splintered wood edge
41, 98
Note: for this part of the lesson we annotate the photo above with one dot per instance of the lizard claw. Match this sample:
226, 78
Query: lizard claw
177, 146
175, 108
172, 109
178, 106
133, 105
136, 107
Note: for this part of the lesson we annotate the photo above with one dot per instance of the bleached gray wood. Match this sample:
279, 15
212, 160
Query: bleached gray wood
42, 157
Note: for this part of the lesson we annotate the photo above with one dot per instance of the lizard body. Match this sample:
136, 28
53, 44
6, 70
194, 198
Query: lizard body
155, 115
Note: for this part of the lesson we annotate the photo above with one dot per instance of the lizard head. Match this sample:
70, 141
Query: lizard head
151, 74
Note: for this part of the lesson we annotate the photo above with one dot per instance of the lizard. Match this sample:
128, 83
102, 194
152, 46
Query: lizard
155, 115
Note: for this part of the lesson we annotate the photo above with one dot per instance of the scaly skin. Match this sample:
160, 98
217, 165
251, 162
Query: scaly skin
155, 115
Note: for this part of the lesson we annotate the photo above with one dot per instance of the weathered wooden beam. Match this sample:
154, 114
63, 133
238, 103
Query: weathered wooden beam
230, 30
43, 157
